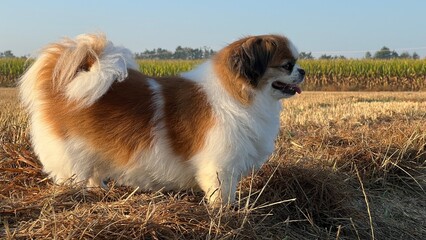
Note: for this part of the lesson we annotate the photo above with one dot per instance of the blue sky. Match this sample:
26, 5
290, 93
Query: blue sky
330, 26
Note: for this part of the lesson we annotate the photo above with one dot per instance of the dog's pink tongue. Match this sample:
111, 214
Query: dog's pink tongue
297, 89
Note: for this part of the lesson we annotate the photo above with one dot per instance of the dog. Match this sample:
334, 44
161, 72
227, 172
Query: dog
94, 116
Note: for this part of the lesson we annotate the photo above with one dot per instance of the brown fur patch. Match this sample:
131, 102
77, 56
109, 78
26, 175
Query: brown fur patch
234, 84
117, 125
187, 115
241, 65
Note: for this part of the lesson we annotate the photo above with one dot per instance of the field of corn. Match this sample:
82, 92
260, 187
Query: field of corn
322, 75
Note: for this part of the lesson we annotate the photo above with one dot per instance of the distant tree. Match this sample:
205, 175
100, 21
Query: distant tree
196, 53
405, 55
368, 55
7, 54
163, 53
325, 56
394, 54
385, 53
207, 52
180, 53
147, 54
304, 55
416, 56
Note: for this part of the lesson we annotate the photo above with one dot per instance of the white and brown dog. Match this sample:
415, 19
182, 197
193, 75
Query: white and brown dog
94, 116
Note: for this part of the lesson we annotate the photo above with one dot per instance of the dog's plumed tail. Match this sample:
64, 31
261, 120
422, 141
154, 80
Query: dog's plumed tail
81, 70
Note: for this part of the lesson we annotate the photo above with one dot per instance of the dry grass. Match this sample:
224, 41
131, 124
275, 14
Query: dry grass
347, 166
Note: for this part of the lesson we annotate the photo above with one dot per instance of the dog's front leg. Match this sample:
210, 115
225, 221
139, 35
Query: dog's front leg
219, 186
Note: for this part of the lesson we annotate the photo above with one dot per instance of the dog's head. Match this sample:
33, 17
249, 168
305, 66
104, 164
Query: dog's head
264, 63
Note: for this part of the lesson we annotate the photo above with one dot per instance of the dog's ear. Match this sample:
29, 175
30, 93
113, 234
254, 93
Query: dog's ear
250, 60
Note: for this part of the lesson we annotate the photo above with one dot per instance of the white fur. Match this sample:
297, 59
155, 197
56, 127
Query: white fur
27, 86
87, 87
63, 159
50, 149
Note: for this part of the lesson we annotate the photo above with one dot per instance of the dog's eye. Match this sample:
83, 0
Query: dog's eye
288, 66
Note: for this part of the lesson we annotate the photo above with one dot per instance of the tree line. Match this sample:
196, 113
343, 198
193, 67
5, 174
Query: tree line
159, 53
386, 53
7, 54
383, 53
180, 52
188, 53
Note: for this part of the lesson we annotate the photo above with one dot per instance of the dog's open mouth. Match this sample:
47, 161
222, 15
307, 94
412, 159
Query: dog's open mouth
287, 88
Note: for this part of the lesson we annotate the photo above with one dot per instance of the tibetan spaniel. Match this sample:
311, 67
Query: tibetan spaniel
94, 116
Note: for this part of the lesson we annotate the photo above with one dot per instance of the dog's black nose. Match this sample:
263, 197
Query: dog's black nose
301, 71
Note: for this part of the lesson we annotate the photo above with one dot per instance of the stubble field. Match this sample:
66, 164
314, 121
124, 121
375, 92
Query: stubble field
347, 165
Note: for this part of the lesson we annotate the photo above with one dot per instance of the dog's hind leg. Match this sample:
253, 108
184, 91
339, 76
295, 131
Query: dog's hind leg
51, 151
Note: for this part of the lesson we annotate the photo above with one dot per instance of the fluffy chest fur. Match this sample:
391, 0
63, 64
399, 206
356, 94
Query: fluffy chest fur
243, 136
